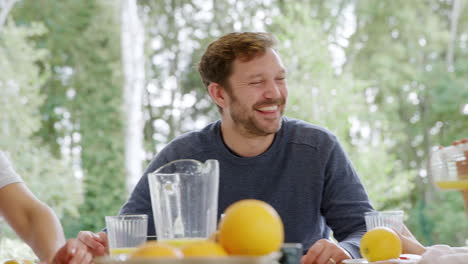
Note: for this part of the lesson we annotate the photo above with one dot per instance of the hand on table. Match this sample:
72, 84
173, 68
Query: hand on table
325, 251
73, 252
464, 192
409, 243
97, 243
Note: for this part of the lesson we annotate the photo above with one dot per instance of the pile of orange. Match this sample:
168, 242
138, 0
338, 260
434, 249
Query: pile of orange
248, 228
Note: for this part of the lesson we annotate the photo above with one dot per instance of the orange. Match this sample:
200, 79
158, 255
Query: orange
203, 248
251, 227
26, 261
380, 243
155, 249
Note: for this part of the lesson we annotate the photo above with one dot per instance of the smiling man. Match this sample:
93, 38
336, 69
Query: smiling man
298, 168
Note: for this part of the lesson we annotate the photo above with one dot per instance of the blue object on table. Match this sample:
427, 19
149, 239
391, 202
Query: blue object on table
291, 253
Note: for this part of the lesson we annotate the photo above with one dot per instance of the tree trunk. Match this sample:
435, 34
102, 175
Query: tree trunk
454, 18
5, 8
134, 75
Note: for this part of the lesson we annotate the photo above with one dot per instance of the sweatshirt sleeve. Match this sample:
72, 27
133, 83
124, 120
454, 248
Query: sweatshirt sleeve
344, 201
7, 174
139, 201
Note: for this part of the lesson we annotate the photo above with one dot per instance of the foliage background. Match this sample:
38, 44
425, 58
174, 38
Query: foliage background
388, 77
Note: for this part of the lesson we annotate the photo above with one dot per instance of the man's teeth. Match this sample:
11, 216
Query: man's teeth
268, 108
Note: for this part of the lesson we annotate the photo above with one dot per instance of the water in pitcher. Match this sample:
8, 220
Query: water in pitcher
184, 197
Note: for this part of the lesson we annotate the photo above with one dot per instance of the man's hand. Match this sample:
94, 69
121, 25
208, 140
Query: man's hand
325, 251
97, 243
73, 252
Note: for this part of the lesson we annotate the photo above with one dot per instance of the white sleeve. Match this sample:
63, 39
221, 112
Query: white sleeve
7, 174
444, 254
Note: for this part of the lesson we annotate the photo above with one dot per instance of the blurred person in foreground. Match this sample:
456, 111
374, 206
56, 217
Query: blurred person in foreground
34, 221
297, 167
436, 254
462, 168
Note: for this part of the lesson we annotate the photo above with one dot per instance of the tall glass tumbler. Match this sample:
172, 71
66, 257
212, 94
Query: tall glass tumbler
126, 232
391, 219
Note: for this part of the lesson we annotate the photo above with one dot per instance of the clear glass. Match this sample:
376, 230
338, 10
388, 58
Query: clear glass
126, 232
184, 197
291, 253
391, 219
449, 167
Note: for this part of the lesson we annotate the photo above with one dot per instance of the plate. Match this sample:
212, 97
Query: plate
354, 261
123, 259
404, 258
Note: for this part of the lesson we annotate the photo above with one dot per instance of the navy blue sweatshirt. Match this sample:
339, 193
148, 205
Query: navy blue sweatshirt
305, 175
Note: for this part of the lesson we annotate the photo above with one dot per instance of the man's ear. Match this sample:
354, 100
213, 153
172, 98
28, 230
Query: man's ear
218, 94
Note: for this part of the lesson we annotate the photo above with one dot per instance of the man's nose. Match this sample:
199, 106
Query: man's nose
272, 90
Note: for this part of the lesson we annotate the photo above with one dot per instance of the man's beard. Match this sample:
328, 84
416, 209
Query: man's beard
250, 125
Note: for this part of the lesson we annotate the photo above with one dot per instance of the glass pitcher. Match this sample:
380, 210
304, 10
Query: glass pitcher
449, 167
184, 197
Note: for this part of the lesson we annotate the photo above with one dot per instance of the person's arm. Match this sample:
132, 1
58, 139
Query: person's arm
410, 244
462, 169
32, 220
344, 203
465, 197
139, 201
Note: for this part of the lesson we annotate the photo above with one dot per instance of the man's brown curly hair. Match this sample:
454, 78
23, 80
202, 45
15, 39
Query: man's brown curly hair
216, 63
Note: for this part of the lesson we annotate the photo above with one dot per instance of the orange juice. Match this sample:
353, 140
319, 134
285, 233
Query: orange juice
180, 242
118, 251
457, 185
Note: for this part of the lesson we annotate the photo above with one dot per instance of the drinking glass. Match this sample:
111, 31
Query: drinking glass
391, 219
126, 232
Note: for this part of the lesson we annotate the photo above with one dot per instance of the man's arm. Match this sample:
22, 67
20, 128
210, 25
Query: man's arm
344, 201
139, 201
32, 220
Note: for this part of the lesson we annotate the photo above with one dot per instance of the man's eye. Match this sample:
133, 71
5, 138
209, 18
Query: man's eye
281, 78
255, 82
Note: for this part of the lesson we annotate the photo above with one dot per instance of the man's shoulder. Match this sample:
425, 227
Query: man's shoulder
190, 143
199, 135
302, 132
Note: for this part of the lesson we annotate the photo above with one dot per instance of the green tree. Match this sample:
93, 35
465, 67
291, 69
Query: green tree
416, 97
178, 33
320, 93
20, 82
82, 108
49, 178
